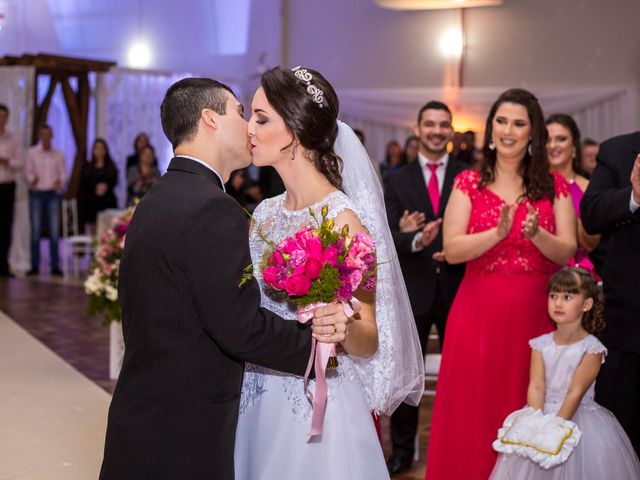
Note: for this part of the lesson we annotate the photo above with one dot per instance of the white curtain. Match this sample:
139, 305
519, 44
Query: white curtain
127, 103
16, 91
386, 114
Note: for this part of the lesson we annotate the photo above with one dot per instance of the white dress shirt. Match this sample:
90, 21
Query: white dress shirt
197, 160
46, 166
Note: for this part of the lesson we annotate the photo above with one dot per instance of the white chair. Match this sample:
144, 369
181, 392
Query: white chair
74, 244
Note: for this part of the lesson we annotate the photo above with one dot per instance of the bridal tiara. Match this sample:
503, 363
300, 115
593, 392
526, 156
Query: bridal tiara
303, 74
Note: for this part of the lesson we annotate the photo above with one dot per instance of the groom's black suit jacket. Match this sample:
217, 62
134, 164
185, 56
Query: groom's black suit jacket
605, 209
188, 330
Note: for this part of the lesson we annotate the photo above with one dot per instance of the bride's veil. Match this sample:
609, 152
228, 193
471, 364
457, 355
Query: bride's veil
396, 372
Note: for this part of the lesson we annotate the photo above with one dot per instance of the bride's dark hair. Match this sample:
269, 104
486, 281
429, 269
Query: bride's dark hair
314, 124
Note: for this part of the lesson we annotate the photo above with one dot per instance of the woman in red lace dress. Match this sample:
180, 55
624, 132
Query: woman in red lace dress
514, 224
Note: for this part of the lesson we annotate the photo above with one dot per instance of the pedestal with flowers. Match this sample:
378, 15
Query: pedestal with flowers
102, 287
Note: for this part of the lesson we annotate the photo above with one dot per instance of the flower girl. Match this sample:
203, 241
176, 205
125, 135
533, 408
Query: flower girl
564, 366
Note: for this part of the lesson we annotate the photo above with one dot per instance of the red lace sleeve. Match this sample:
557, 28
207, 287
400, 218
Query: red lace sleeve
560, 185
467, 181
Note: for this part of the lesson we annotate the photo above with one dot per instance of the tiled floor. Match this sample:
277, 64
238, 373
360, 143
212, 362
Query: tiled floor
53, 310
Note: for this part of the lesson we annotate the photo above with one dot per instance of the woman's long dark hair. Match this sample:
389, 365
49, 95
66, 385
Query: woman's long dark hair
109, 164
537, 181
313, 124
570, 124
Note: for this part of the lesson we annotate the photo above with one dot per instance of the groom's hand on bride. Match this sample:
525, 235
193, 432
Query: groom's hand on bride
330, 324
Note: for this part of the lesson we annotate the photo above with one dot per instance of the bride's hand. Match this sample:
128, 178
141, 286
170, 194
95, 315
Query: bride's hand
330, 324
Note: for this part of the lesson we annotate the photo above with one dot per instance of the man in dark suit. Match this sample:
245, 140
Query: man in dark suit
423, 186
611, 206
188, 326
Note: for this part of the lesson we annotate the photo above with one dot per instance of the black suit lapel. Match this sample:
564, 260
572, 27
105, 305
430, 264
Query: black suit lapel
182, 164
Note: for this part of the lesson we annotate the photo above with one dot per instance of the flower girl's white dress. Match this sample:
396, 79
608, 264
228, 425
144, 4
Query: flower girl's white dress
272, 441
604, 451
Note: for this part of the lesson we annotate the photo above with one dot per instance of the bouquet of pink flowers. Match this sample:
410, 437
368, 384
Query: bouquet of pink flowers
314, 267
321, 265
102, 283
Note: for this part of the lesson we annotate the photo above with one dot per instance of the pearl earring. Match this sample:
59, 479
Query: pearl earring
492, 145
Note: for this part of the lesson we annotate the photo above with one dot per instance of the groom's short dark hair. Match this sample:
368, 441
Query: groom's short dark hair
183, 102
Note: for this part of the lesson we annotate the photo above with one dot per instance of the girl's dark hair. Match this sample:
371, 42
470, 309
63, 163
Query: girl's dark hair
570, 124
580, 280
537, 180
314, 125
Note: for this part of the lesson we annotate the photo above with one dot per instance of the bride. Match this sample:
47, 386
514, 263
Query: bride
294, 128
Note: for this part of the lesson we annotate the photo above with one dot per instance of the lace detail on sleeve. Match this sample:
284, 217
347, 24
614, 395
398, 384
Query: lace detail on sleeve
560, 185
467, 182
594, 346
541, 342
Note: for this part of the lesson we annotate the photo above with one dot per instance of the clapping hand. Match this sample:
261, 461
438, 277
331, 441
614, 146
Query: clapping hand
635, 179
531, 225
430, 232
330, 323
506, 220
411, 222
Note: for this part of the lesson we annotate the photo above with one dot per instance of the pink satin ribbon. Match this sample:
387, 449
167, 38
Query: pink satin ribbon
320, 355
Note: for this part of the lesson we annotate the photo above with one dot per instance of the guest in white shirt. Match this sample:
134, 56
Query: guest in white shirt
10, 163
46, 174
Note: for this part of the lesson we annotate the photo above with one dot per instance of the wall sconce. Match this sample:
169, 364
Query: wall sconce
435, 4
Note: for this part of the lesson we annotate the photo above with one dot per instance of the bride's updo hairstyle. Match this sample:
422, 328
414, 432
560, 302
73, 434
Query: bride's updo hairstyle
309, 107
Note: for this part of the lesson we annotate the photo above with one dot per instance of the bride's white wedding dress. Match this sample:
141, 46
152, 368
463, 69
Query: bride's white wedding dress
272, 438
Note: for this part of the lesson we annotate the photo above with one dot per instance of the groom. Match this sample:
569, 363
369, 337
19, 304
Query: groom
188, 326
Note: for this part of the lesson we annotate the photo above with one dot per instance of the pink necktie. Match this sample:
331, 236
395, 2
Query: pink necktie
432, 187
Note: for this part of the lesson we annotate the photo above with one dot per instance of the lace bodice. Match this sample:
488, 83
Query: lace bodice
515, 254
560, 364
273, 222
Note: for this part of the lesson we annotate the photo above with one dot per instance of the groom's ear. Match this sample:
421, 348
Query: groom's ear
208, 116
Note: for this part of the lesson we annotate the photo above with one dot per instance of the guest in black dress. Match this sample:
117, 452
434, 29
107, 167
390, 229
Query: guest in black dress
99, 178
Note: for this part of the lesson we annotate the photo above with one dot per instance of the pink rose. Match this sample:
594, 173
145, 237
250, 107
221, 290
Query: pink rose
355, 279
312, 268
298, 257
330, 256
276, 258
271, 276
314, 247
297, 285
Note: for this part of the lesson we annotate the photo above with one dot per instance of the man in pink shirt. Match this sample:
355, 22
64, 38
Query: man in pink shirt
10, 163
46, 175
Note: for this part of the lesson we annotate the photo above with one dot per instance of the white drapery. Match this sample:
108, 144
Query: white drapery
385, 114
127, 103
16, 92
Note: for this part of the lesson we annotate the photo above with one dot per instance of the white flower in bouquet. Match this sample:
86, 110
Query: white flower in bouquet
111, 293
93, 284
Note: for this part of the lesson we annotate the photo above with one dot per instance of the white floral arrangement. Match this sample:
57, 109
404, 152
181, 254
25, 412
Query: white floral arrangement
102, 283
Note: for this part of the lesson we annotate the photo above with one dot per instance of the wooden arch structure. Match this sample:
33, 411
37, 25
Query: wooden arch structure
61, 70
